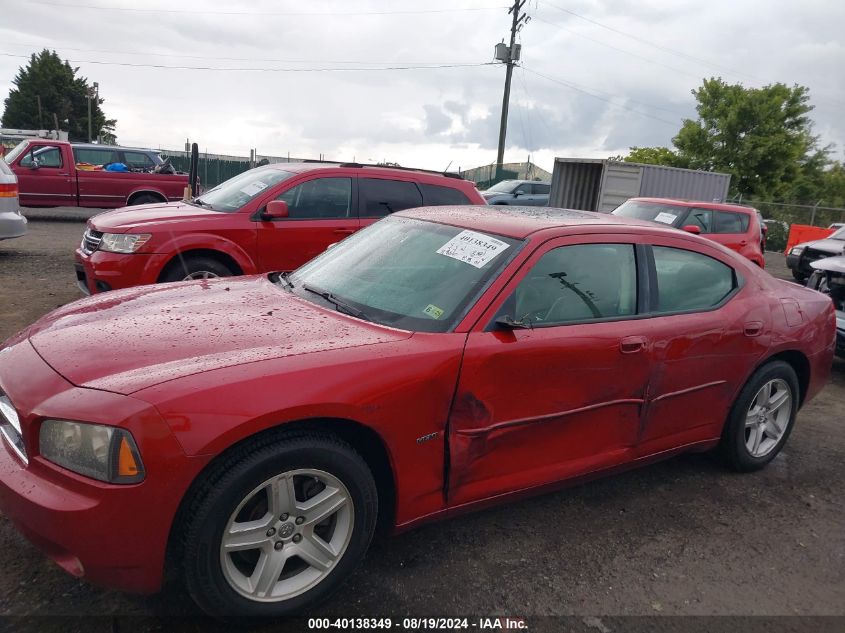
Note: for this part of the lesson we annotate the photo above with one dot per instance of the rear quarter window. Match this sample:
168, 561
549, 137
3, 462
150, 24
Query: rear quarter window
689, 281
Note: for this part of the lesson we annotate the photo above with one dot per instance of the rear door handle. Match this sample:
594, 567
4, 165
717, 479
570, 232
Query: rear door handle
753, 328
344, 231
632, 344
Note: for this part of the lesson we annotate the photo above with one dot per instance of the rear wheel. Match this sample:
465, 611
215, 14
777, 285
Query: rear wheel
762, 417
195, 267
145, 198
278, 526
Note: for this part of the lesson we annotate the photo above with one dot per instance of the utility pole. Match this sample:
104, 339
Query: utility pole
509, 55
92, 93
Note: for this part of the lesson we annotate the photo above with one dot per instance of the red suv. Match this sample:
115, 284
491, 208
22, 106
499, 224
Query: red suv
732, 225
273, 218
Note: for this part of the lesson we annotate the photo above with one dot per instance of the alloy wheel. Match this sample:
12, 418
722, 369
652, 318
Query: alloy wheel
768, 417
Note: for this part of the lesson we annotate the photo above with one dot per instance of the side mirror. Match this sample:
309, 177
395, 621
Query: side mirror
275, 210
507, 323
516, 194
34, 164
691, 228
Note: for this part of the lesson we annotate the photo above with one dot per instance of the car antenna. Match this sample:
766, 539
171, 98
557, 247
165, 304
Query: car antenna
448, 166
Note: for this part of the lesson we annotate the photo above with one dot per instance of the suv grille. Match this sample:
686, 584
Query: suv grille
91, 241
811, 255
10, 427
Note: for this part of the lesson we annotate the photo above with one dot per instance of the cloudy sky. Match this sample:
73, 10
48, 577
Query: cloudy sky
597, 76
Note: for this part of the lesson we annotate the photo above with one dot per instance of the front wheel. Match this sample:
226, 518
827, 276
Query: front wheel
195, 267
762, 417
278, 526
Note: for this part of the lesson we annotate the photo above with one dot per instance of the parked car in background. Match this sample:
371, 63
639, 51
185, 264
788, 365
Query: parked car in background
12, 223
256, 430
836, 226
54, 173
829, 278
272, 218
519, 192
801, 256
735, 226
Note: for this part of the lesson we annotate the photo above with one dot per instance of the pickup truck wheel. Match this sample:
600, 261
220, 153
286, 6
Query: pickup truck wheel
145, 199
278, 526
195, 267
799, 276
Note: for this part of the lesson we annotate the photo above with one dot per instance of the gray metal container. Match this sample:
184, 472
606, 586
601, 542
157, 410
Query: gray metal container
602, 185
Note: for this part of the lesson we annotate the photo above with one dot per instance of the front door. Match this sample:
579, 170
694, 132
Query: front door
321, 213
43, 177
562, 396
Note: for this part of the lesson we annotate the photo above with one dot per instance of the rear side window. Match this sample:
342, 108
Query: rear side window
727, 222
378, 198
138, 160
95, 156
540, 189
435, 195
688, 281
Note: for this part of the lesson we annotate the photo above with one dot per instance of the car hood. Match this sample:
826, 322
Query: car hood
149, 215
127, 340
835, 247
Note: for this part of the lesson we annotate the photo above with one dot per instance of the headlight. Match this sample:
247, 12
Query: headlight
796, 250
123, 242
101, 452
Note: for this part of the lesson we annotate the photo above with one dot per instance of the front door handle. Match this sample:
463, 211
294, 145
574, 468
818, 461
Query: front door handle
632, 344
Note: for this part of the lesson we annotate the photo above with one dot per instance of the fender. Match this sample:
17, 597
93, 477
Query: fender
199, 241
146, 189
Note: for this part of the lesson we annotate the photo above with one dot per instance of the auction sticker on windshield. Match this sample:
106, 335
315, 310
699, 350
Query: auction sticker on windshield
254, 188
473, 248
666, 218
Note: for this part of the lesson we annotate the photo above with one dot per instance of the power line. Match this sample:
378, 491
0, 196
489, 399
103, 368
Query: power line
267, 13
594, 96
278, 70
213, 58
650, 43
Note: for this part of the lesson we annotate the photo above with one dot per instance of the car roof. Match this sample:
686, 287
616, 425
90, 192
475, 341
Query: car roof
520, 222
378, 170
115, 147
719, 206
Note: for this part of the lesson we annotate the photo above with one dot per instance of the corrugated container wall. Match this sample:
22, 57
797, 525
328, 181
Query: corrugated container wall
670, 182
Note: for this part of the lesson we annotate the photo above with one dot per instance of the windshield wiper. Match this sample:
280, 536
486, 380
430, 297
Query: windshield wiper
201, 203
285, 278
337, 303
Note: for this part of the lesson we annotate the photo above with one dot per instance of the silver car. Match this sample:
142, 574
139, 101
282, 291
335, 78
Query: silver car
524, 193
12, 223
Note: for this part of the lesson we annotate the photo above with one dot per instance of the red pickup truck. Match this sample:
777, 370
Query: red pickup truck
50, 175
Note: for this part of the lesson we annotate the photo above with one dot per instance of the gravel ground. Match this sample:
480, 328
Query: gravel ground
684, 537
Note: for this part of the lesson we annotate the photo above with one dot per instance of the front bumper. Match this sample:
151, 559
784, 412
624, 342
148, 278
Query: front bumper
792, 261
11, 225
101, 271
111, 535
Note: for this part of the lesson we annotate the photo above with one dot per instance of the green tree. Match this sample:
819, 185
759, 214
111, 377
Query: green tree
656, 156
62, 92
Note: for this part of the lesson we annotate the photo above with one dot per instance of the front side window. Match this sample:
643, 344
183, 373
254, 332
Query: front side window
94, 156
523, 189
701, 218
583, 282
727, 222
43, 157
319, 199
690, 281
652, 211
406, 273
379, 198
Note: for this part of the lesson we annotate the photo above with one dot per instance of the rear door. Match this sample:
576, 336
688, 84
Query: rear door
563, 397
45, 177
731, 230
321, 212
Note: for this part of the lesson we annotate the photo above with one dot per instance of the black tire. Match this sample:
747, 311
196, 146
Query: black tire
231, 481
181, 268
733, 442
799, 276
145, 198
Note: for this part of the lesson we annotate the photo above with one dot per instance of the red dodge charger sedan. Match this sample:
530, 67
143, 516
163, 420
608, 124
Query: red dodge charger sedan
247, 434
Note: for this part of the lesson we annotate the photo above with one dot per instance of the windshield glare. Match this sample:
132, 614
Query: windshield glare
506, 186
839, 235
17, 151
236, 192
651, 211
406, 273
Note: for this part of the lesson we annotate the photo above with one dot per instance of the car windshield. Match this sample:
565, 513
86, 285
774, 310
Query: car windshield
406, 273
17, 151
506, 186
651, 211
236, 192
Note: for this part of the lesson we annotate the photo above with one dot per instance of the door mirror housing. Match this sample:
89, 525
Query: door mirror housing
691, 228
34, 164
275, 210
507, 323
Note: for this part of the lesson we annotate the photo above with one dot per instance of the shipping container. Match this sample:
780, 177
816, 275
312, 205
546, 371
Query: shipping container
602, 185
